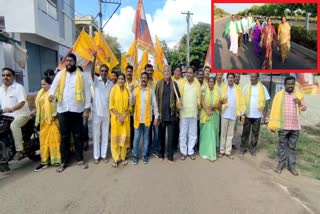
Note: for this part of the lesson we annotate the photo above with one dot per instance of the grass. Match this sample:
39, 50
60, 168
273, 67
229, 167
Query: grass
308, 149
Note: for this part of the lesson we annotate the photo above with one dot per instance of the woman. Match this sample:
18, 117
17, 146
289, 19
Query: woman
209, 128
120, 121
284, 39
257, 37
49, 130
267, 40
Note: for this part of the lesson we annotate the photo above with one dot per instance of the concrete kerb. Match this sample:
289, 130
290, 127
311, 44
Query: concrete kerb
305, 51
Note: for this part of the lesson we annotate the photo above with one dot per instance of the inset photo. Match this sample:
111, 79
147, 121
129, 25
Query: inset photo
265, 36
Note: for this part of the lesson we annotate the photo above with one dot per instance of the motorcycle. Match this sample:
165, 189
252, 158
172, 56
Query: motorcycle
30, 136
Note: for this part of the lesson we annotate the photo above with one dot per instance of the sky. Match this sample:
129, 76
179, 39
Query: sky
163, 16
234, 7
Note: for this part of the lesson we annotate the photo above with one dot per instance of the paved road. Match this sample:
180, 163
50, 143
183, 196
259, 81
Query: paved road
224, 59
243, 185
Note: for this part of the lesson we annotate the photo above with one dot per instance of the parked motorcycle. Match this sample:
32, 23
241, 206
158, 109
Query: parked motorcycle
30, 135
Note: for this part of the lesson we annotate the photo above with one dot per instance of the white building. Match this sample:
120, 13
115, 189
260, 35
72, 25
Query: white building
45, 28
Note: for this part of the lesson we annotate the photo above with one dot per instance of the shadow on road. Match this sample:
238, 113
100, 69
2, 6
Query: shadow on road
217, 56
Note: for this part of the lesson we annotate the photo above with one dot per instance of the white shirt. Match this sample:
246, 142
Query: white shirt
231, 111
14, 94
245, 25
254, 111
68, 102
102, 91
233, 28
143, 96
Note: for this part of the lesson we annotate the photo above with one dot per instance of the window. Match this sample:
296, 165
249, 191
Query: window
49, 7
2, 24
68, 8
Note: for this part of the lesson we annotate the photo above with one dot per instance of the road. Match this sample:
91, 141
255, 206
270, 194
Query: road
224, 59
243, 185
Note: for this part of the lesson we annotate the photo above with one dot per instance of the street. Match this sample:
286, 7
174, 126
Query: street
247, 59
242, 185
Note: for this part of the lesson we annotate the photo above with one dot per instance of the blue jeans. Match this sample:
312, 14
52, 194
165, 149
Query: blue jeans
144, 131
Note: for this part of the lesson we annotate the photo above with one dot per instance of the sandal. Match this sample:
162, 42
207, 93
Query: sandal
115, 164
229, 156
61, 168
83, 165
124, 163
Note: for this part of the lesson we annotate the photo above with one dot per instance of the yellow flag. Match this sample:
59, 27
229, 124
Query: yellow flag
159, 62
132, 56
142, 64
124, 63
104, 52
84, 46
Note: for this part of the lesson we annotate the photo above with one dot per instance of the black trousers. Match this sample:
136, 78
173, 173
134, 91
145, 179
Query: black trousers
176, 135
71, 122
131, 131
245, 38
85, 131
198, 136
170, 126
287, 153
251, 127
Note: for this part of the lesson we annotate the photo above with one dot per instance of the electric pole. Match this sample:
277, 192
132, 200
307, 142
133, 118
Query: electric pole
114, 2
100, 14
188, 13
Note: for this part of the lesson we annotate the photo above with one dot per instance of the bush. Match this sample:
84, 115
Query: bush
299, 36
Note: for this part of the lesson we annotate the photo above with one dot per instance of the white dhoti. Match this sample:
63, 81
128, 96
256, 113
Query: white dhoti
234, 43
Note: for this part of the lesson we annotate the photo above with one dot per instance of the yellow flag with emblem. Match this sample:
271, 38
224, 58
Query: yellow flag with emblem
142, 64
104, 52
124, 63
84, 46
159, 62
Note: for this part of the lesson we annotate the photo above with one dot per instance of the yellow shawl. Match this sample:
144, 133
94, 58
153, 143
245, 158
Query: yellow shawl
119, 100
45, 109
203, 114
196, 82
238, 98
79, 87
147, 121
276, 120
247, 97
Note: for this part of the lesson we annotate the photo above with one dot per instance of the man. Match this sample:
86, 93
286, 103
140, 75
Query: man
144, 99
153, 139
131, 84
167, 94
114, 77
285, 118
101, 114
191, 95
264, 24
231, 108
232, 31
72, 91
178, 78
254, 108
234, 143
219, 86
284, 39
237, 78
203, 87
245, 24
13, 101
177, 75
240, 33
250, 24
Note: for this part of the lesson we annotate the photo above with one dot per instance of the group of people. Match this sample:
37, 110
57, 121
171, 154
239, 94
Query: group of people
240, 31
199, 112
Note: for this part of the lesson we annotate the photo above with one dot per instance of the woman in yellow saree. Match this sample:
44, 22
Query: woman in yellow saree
49, 130
284, 39
120, 121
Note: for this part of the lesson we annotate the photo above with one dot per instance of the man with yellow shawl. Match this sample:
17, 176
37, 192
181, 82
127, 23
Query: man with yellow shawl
144, 99
46, 117
284, 39
120, 121
72, 91
191, 103
231, 109
253, 108
131, 84
284, 118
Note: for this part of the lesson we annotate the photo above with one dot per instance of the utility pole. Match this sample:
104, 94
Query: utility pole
100, 14
114, 2
188, 13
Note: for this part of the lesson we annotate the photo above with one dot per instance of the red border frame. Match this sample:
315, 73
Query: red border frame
260, 70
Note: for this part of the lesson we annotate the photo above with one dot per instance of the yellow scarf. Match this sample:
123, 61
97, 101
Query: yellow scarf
247, 98
147, 121
276, 120
119, 100
219, 88
207, 100
79, 87
196, 82
238, 98
45, 110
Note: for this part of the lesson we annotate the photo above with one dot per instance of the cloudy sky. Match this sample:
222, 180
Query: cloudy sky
163, 16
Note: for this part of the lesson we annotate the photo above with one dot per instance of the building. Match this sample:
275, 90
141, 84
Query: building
45, 28
87, 23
